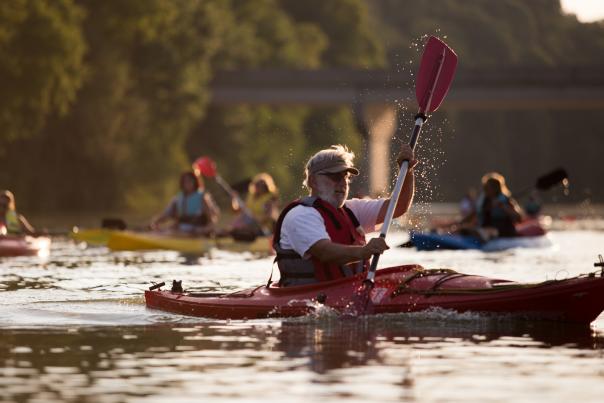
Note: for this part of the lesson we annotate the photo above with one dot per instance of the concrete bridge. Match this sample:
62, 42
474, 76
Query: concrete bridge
376, 96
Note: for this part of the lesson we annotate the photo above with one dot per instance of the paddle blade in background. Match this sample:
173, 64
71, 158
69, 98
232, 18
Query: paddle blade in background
435, 75
205, 166
552, 179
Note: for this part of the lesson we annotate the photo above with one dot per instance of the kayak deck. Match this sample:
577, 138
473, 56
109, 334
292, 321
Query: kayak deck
133, 241
400, 290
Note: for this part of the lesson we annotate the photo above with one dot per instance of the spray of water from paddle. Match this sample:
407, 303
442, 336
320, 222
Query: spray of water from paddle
434, 78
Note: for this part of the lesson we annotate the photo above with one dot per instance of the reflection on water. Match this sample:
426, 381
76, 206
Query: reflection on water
15, 282
391, 357
74, 328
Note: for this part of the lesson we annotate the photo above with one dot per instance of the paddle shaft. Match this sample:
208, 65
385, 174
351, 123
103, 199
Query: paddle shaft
425, 101
398, 187
227, 188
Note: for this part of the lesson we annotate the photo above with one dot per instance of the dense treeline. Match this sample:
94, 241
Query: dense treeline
521, 144
103, 103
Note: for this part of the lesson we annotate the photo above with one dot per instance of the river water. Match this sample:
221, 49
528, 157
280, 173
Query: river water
73, 327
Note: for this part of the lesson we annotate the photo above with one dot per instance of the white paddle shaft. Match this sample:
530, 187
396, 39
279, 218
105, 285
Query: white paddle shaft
396, 192
234, 195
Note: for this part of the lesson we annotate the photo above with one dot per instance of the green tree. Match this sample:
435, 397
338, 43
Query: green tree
286, 34
346, 24
147, 68
41, 64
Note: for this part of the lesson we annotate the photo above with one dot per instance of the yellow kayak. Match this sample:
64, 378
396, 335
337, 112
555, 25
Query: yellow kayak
93, 236
133, 241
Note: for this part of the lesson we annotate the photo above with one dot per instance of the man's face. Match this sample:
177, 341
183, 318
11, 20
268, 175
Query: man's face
332, 187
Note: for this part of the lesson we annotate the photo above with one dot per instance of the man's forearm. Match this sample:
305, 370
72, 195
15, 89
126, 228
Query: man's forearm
330, 252
404, 200
406, 197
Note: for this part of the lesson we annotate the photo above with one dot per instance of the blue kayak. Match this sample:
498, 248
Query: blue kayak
434, 241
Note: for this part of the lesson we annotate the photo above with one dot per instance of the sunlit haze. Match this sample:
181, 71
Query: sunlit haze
586, 10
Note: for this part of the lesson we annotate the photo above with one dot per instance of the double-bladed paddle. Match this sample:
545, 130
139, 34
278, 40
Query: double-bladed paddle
547, 181
207, 167
434, 78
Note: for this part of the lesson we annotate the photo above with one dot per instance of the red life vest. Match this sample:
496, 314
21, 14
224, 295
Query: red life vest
343, 228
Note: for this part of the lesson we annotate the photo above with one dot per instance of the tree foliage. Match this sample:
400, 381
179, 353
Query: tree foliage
103, 103
41, 64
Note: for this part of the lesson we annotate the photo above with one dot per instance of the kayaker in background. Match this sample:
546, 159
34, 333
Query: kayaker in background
496, 210
192, 210
11, 222
532, 206
322, 237
262, 203
467, 205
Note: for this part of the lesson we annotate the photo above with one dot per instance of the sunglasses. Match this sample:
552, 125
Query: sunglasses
337, 176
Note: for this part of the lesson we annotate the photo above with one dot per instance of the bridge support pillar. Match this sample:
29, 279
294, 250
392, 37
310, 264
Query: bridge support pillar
381, 124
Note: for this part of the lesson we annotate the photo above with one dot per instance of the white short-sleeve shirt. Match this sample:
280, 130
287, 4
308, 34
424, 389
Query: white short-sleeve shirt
303, 226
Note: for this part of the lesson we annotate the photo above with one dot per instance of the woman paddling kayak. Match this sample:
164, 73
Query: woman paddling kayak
192, 210
262, 204
495, 215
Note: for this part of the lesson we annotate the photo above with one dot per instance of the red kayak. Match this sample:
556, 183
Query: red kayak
401, 289
533, 226
12, 245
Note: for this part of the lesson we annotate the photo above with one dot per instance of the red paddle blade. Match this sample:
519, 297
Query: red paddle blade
205, 166
435, 75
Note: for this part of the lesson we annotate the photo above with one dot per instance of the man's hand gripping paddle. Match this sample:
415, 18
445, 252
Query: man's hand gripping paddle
434, 78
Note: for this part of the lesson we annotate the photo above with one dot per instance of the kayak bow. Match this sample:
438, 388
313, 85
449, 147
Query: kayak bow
24, 246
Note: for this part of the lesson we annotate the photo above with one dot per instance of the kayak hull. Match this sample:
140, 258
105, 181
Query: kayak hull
531, 232
11, 246
92, 236
401, 289
135, 241
435, 241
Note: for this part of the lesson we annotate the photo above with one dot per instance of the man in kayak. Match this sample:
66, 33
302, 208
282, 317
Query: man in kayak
322, 237
192, 210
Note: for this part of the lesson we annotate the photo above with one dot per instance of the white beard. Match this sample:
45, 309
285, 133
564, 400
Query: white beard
329, 194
